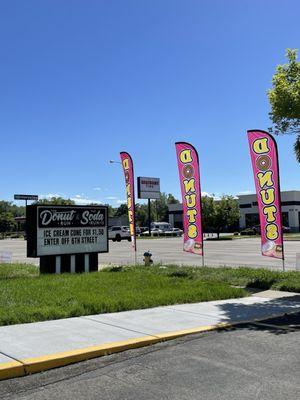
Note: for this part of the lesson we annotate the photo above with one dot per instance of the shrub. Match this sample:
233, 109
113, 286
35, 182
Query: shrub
248, 232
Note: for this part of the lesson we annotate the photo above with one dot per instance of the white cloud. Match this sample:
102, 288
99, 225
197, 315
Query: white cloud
111, 198
83, 201
120, 201
79, 199
97, 189
245, 192
50, 195
213, 195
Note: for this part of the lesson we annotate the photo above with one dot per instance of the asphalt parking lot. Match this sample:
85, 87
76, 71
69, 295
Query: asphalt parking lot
169, 251
250, 361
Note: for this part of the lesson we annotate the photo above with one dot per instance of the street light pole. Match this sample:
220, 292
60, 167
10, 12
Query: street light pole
149, 216
114, 162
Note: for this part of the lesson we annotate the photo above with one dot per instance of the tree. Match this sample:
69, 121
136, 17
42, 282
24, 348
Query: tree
161, 206
171, 199
208, 212
121, 210
7, 206
284, 99
141, 214
56, 201
111, 210
7, 222
8, 212
225, 214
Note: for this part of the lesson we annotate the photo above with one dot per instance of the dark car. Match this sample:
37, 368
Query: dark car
256, 229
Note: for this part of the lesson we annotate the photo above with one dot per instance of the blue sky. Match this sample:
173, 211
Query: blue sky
82, 80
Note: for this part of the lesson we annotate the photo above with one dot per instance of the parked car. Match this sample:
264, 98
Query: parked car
177, 232
174, 232
154, 232
118, 233
249, 232
162, 226
256, 229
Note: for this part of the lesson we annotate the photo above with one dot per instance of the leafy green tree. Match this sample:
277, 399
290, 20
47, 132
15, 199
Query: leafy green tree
111, 210
141, 213
225, 214
7, 222
8, 212
208, 212
161, 206
56, 201
121, 210
7, 206
284, 99
171, 199
159, 209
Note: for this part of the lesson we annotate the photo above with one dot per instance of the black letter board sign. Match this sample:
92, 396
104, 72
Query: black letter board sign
58, 230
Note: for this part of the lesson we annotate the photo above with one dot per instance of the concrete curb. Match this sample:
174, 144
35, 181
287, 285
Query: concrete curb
29, 366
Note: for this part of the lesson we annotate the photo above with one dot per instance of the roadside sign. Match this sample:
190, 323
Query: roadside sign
26, 197
5, 257
59, 230
148, 188
297, 261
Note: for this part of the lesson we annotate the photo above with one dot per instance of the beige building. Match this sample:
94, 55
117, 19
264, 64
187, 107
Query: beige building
290, 205
290, 202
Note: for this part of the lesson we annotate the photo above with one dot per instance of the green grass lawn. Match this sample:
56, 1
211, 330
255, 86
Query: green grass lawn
291, 236
248, 277
286, 237
29, 297
26, 296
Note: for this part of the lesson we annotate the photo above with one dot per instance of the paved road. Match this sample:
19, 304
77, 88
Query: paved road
169, 251
254, 361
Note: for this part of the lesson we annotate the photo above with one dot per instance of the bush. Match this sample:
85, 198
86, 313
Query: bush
248, 232
220, 238
181, 274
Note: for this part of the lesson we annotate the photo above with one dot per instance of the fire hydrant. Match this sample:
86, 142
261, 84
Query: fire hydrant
147, 258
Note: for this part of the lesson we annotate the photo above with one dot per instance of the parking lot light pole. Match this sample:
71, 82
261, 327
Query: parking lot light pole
149, 216
114, 162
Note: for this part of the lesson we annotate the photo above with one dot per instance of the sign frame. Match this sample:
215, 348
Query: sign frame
32, 229
148, 194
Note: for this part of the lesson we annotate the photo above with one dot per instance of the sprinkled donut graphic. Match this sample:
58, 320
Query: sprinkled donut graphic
263, 163
188, 171
198, 248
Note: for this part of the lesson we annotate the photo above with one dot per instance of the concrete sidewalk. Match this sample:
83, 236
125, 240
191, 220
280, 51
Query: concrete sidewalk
35, 347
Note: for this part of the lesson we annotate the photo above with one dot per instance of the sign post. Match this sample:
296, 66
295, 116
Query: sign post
26, 197
148, 188
67, 238
32, 197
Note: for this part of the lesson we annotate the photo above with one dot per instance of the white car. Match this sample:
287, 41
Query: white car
118, 233
154, 232
177, 232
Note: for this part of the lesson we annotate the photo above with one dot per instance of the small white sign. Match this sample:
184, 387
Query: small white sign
5, 257
297, 261
148, 188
